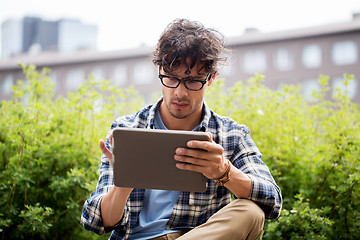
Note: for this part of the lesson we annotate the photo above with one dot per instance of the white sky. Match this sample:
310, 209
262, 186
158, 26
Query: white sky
127, 24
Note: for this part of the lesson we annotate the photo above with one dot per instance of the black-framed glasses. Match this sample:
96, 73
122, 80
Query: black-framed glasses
189, 82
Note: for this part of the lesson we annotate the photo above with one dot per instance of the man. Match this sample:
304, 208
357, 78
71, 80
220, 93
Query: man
188, 55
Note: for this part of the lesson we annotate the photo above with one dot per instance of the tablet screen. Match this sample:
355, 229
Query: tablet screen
144, 158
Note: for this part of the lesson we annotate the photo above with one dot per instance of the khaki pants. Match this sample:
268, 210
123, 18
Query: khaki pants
240, 219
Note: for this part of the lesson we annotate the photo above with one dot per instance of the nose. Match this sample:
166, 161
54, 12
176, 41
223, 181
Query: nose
181, 91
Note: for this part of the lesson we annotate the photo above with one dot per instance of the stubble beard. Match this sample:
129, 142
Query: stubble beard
176, 115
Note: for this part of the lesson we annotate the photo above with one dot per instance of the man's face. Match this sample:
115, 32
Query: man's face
182, 102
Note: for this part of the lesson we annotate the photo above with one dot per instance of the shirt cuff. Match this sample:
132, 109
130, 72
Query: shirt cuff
255, 188
123, 221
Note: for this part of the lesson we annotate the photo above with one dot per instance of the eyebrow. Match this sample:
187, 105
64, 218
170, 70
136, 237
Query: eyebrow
189, 76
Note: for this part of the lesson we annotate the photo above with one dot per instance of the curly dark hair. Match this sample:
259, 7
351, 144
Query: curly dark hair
186, 43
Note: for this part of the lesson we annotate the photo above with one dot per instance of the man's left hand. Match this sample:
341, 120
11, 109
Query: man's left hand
211, 162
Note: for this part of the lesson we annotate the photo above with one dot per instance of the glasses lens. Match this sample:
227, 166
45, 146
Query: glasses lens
169, 81
193, 85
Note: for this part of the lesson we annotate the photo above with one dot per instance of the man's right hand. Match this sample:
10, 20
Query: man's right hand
106, 151
115, 200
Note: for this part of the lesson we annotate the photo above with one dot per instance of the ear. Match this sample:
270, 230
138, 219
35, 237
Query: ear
212, 79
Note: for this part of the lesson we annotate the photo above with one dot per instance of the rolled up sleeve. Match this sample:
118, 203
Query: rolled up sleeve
265, 192
91, 214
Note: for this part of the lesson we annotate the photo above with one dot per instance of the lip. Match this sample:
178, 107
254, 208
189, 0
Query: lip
179, 105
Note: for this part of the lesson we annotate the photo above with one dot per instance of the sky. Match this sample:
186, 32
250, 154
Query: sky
129, 24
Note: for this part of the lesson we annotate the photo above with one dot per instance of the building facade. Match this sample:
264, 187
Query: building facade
11, 37
32, 35
287, 57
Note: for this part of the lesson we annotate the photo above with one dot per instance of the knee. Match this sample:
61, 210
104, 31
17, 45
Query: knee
254, 213
248, 219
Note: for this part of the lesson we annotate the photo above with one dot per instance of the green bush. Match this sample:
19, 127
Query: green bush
302, 222
311, 147
49, 154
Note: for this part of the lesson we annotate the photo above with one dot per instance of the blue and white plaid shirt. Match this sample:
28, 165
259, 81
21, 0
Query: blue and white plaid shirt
191, 208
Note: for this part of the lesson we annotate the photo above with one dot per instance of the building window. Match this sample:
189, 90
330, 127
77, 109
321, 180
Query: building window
74, 78
119, 75
143, 72
344, 53
6, 84
283, 59
309, 87
312, 56
98, 73
254, 61
350, 90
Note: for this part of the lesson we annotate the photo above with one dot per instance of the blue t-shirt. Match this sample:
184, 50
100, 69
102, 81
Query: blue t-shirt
157, 206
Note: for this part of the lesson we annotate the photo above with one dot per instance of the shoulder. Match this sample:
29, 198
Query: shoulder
235, 138
228, 126
137, 120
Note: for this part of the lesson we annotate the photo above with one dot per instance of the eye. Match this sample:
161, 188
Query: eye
193, 81
194, 84
199, 79
174, 79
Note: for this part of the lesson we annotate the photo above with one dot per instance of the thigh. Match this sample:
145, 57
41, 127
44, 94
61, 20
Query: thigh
240, 219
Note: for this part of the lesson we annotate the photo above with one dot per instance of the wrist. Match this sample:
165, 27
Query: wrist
117, 192
225, 177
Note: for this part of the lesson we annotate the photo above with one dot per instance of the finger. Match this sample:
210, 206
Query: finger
207, 146
194, 153
191, 167
195, 168
210, 135
202, 159
104, 149
194, 161
111, 139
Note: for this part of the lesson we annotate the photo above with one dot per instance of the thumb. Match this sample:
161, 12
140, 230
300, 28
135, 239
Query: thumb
210, 136
111, 139
105, 151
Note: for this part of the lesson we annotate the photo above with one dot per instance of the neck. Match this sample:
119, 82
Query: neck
185, 124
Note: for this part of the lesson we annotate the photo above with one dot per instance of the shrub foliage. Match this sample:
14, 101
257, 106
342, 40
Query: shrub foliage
49, 154
312, 149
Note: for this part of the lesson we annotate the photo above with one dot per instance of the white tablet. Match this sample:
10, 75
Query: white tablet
144, 158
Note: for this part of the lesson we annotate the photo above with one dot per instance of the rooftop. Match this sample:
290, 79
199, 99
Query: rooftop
251, 36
